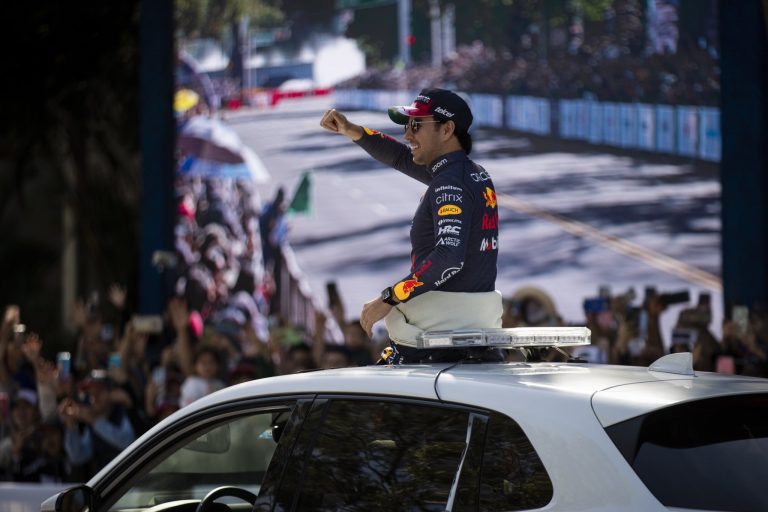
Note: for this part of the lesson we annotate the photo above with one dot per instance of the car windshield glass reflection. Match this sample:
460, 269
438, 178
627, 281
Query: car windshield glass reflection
234, 454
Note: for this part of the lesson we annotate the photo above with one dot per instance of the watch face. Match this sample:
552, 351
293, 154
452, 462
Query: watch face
386, 296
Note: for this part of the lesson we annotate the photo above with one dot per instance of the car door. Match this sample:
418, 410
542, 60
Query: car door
234, 444
357, 453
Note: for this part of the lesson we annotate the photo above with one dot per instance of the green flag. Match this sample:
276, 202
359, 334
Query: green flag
301, 198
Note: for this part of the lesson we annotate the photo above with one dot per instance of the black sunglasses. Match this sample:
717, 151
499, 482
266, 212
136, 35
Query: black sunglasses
415, 124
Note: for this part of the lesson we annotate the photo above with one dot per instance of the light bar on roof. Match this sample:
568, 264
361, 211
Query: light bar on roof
514, 337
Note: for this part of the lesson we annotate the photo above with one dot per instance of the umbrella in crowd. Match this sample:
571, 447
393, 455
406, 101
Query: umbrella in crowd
211, 149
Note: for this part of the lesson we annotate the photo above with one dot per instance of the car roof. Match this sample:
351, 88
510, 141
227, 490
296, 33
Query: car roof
616, 393
547, 400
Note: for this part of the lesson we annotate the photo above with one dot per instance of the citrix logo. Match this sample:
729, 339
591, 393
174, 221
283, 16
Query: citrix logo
449, 198
446, 113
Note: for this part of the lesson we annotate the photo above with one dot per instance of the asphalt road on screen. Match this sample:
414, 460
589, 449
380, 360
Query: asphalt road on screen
572, 217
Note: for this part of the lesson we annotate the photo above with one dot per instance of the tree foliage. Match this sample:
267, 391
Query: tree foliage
212, 18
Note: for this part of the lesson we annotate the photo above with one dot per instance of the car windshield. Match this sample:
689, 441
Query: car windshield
237, 453
708, 454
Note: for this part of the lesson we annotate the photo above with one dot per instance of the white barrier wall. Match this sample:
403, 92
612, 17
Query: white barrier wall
528, 114
680, 130
487, 110
709, 134
687, 131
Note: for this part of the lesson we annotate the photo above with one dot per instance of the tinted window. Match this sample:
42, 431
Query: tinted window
513, 476
383, 456
709, 454
236, 453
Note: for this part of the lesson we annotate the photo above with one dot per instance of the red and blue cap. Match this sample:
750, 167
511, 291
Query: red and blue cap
439, 103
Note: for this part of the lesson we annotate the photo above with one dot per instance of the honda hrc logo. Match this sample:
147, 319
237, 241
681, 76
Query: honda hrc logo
489, 244
449, 230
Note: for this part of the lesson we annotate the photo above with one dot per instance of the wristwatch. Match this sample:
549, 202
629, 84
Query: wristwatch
388, 297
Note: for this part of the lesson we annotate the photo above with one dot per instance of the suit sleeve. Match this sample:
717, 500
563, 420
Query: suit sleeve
451, 205
395, 154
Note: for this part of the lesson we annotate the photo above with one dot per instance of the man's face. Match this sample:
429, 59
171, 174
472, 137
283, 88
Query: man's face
425, 138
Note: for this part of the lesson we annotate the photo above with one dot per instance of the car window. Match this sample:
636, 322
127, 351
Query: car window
383, 456
235, 453
708, 454
513, 477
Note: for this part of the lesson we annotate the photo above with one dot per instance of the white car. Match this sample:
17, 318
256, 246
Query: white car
462, 436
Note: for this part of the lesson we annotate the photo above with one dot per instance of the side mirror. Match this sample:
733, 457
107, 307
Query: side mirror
76, 499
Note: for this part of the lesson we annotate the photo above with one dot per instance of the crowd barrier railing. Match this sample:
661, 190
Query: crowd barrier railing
683, 130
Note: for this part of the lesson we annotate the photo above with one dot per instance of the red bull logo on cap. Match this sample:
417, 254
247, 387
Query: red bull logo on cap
403, 289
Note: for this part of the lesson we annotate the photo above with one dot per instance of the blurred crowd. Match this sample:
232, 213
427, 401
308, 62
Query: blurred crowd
64, 415
600, 70
63, 418
626, 329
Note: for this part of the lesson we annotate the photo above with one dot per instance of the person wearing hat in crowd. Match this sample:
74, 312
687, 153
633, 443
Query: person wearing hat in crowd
454, 233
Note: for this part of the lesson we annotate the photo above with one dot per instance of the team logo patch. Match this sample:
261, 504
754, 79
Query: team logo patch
403, 289
490, 221
489, 244
449, 209
448, 230
490, 197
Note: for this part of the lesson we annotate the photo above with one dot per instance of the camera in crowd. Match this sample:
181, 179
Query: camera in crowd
667, 299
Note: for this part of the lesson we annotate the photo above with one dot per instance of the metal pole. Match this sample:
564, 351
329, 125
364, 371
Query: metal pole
404, 30
437, 35
157, 139
449, 30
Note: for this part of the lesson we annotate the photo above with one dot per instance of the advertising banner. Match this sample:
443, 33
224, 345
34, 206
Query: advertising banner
514, 107
566, 119
665, 129
529, 114
581, 115
646, 127
541, 109
709, 134
487, 110
595, 131
687, 131
627, 125
611, 126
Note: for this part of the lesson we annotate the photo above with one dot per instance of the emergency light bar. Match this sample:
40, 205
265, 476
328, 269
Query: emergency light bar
514, 337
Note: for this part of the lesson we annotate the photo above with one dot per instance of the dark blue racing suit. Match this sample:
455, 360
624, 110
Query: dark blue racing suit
454, 232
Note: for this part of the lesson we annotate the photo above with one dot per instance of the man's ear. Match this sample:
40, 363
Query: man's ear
448, 129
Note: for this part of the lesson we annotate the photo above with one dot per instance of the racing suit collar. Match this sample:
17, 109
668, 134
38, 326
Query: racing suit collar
442, 162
